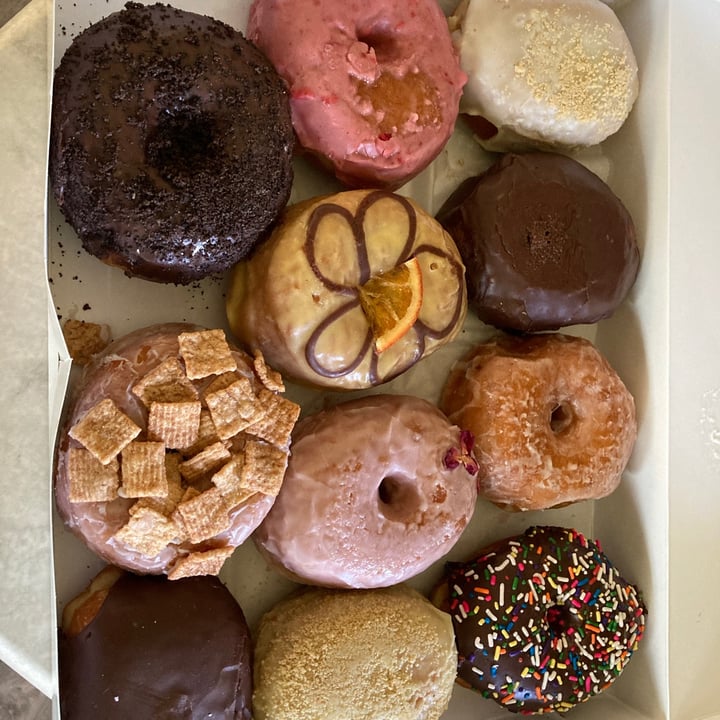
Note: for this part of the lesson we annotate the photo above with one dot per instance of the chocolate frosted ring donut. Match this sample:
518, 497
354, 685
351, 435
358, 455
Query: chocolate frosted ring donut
543, 621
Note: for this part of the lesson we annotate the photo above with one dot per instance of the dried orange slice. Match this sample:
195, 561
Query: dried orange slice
391, 302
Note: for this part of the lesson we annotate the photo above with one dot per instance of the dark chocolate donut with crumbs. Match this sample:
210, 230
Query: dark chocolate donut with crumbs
145, 648
171, 143
545, 242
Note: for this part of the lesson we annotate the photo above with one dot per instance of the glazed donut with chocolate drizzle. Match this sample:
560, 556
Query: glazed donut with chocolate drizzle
543, 621
554, 423
350, 290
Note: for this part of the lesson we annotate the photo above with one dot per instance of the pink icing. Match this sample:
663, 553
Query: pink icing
368, 499
324, 48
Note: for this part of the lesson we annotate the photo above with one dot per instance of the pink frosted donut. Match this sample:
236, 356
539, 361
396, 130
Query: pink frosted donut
377, 489
148, 469
375, 86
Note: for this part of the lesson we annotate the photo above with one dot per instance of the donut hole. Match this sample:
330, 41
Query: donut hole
382, 42
398, 499
181, 141
399, 103
559, 619
562, 416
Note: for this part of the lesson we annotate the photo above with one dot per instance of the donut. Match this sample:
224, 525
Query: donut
350, 290
354, 655
147, 648
553, 422
172, 451
545, 243
545, 74
171, 143
377, 489
543, 620
374, 86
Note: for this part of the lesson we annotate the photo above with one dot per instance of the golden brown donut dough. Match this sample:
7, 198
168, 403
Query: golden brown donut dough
553, 422
354, 655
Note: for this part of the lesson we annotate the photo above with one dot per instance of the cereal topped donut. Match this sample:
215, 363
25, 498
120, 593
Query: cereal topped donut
543, 621
546, 74
553, 422
377, 489
173, 450
171, 143
374, 85
350, 290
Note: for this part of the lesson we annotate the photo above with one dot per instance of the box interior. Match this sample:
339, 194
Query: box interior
632, 524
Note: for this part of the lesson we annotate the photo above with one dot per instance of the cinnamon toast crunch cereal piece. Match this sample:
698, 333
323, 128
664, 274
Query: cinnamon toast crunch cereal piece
85, 339
143, 470
203, 516
175, 423
205, 462
209, 562
263, 468
233, 408
276, 419
270, 378
205, 352
90, 480
148, 531
165, 383
104, 430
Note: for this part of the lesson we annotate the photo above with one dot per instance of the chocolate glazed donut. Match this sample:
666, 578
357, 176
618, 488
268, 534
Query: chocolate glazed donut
171, 143
545, 242
157, 648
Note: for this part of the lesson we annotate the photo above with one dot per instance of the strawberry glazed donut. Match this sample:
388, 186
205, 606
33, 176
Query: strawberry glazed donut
375, 86
554, 423
173, 450
377, 489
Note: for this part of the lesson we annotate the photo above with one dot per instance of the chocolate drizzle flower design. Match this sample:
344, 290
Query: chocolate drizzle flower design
366, 264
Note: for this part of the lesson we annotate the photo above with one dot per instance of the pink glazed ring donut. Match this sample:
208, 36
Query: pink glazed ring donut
375, 86
377, 489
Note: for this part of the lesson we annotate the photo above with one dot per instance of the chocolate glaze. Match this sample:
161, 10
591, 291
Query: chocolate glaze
421, 330
543, 621
545, 243
159, 649
171, 143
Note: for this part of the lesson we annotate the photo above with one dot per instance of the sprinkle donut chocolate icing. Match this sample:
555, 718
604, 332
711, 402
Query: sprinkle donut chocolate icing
298, 298
543, 621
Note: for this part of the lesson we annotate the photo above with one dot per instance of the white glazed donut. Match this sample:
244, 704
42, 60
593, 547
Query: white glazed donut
376, 490
548, 74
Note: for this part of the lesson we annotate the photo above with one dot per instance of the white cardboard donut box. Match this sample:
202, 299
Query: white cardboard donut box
660, 528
